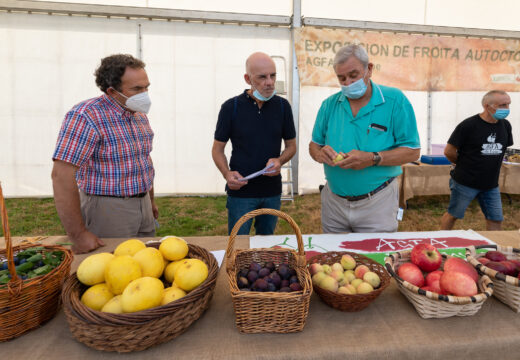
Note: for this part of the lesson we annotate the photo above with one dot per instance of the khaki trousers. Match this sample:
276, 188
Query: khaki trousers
377, 213
111, 217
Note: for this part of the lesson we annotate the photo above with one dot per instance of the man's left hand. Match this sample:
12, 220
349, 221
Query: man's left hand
275, 169
356, 160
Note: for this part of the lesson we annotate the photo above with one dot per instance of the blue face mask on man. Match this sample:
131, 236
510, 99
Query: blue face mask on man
355, 90
261, 97
500, 114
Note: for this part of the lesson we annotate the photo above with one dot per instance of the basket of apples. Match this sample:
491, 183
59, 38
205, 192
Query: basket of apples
438, 286
502, 264
347, 281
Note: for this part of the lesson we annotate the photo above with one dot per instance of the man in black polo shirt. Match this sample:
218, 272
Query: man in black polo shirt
255, 121
477, 147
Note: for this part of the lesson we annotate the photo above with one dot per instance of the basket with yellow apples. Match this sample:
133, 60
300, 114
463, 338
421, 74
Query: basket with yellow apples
502, 264
119, 302
438, 286
347, 281
270, 288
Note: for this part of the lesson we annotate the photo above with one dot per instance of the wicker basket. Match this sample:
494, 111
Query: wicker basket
140, 330
268, 312
356, 302
506, 288
27, 304
433, 305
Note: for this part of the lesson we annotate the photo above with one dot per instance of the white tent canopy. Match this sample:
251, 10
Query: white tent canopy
194, 66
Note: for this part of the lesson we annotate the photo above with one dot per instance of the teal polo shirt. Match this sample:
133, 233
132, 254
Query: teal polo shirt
385, 123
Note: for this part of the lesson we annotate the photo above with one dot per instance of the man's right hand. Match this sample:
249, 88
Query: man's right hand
326, 155
85, 242
232, 180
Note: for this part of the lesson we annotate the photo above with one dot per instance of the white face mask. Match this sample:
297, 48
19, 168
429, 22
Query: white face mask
140, 102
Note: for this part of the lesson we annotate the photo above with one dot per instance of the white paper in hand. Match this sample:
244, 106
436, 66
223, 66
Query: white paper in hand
258, 173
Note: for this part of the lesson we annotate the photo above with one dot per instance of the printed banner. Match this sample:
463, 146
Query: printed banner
413, 62
375, 245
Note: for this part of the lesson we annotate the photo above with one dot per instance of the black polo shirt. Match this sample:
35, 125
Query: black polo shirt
256, 136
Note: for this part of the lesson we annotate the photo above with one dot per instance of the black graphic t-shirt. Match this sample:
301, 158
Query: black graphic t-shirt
481, 147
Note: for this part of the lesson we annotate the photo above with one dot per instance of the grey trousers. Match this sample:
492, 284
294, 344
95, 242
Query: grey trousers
110, 217
377, 213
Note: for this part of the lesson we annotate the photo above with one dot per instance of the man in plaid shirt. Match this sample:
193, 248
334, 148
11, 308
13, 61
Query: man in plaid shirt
103, 150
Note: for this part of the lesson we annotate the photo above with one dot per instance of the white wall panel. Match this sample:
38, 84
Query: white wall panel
48, 64
194, 68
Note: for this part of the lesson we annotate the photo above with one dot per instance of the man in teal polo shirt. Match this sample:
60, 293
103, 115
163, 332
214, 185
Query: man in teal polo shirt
362, 136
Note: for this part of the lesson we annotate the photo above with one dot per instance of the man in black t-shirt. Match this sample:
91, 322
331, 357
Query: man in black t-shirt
477, 147
255, 121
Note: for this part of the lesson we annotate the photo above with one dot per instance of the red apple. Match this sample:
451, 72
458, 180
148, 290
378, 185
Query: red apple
459, 265
411, 273
497, 266
426, 257
511, 268
483, 260
517, 264
433, 276
436, 287
427, 288
458, 283
495, 256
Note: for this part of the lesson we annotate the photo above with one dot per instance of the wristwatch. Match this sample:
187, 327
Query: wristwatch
376, 159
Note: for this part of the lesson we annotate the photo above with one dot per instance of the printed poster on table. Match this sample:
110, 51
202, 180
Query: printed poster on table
413, 61
375, 245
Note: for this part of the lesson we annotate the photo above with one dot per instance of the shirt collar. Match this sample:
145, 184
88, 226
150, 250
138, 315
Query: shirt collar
114, 105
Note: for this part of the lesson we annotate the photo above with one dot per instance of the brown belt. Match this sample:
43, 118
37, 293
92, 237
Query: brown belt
364, 196
140, 195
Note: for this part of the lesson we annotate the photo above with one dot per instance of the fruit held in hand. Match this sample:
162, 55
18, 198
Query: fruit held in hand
338, 158
411, 273
426, 257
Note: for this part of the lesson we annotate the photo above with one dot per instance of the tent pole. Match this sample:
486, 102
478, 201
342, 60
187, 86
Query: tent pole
295, 90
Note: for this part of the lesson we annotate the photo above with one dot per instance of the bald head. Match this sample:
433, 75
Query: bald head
260, 74
258, 59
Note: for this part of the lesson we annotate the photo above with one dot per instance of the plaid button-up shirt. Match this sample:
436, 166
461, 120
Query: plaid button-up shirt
110, 145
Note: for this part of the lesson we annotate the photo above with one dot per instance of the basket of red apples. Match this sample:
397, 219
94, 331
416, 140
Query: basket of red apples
502, 264
347, 281
438, 286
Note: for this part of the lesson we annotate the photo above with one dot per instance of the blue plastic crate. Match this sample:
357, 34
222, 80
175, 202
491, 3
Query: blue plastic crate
435, 160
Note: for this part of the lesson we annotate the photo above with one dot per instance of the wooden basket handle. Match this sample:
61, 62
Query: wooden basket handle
254, 213
8, 241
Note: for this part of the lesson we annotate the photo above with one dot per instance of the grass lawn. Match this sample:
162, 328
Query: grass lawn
206, 216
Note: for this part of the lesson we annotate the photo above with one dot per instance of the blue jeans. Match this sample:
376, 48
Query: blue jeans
489, 200
264, 224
